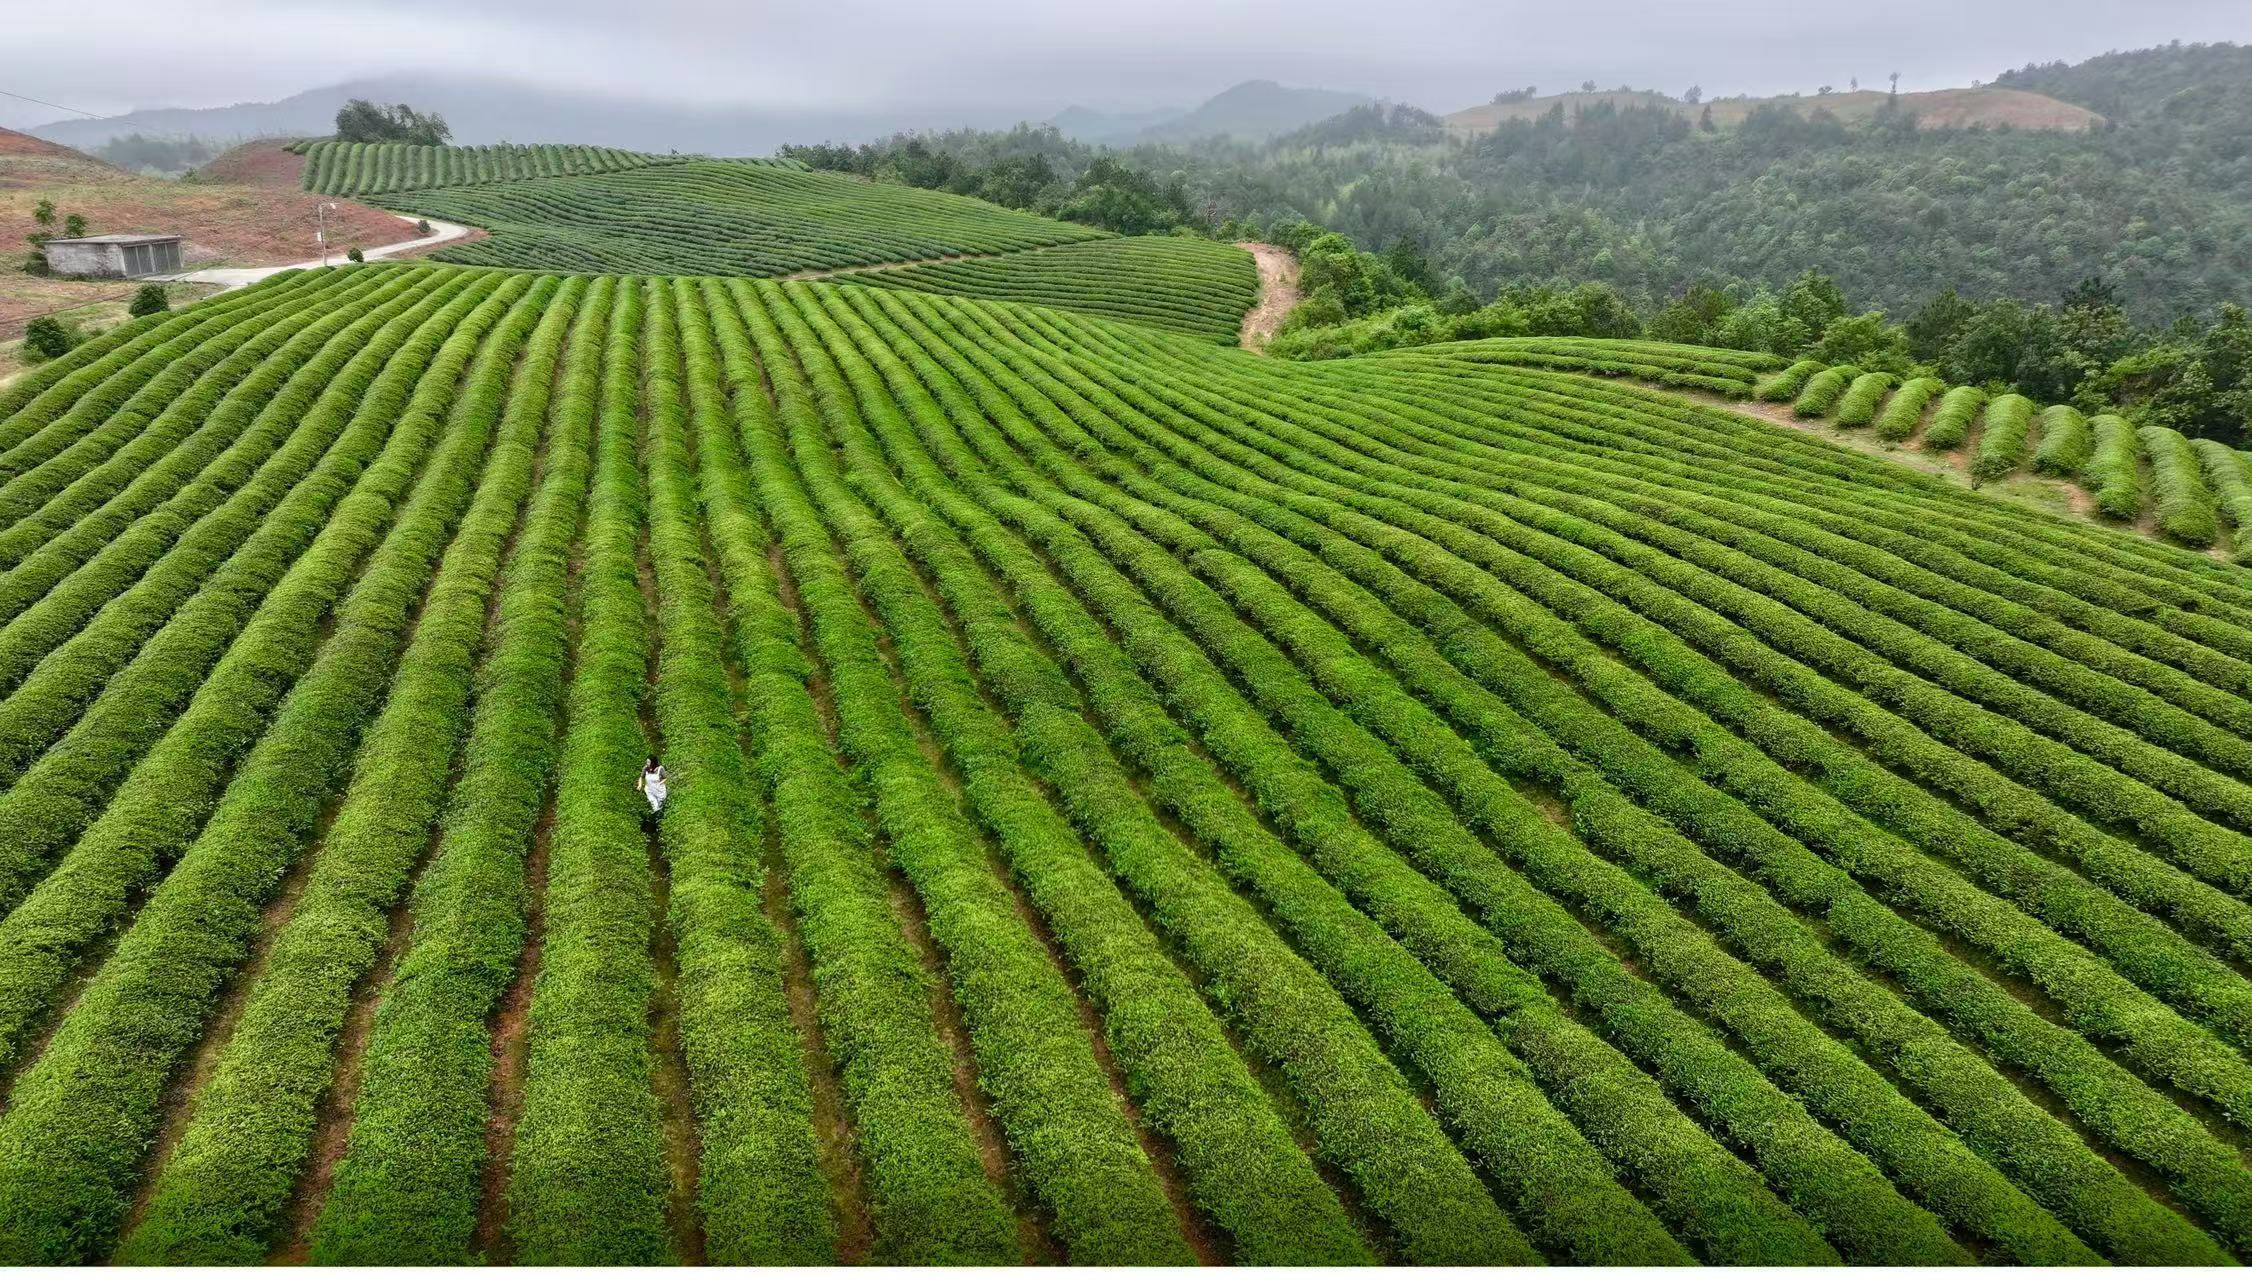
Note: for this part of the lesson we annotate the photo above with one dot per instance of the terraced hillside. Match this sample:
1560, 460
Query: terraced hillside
1735, 374
363, 169
1175, 283
2197, 493
595, 210
1133, 801
723, 217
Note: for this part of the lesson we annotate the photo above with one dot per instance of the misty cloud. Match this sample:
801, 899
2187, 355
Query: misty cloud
1032, 58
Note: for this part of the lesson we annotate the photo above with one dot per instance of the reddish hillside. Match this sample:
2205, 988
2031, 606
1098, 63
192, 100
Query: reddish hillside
231, 223
262, 163
23, 144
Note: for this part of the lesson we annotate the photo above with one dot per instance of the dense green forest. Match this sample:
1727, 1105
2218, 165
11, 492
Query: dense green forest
2159, 201
2104, 267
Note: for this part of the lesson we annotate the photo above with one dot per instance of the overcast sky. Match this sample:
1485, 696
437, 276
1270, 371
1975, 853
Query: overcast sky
830, 54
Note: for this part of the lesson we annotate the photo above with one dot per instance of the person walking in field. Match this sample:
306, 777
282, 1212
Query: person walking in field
651, 785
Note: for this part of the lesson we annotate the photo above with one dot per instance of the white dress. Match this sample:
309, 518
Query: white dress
653, 786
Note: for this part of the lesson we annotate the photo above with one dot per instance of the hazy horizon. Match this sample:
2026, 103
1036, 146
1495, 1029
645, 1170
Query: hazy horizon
1004, 56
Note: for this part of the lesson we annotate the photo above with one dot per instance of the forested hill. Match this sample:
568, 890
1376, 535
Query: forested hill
2182, 81
2186, 108
1646, 200
1649, 200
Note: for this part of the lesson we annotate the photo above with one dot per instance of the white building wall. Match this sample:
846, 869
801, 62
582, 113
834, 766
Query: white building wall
85, 260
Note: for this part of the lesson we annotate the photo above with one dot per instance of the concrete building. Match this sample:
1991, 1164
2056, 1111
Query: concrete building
123, 256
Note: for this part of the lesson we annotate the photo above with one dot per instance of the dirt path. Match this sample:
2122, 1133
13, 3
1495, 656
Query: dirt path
1278, 292
236, 277
511, 1024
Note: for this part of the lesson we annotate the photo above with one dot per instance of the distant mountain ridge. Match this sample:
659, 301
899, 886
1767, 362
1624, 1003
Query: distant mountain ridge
1090, 125
496, 110
1255, 111
486, 110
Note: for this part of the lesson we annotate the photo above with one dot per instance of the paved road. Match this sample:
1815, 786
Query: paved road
236, 277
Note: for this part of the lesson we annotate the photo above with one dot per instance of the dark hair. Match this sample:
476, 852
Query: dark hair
652, 763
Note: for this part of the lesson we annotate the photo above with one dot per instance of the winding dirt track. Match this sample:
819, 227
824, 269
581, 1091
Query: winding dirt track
1278, 292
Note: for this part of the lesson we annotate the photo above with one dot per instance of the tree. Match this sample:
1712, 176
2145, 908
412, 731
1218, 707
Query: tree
1762, 324
1457, 300
353, 254
2165, 384
1587, 86
2226, 353
1704, 122
2094, 328
74, 226
1814, 300
47, 337
2092, 291
363, 121
1934, 326
1406, 260
148, 301
43, 215
1895, 84
1121, 198
1693, 95
1691, 317
1018, 182
1360, 283
1864, 340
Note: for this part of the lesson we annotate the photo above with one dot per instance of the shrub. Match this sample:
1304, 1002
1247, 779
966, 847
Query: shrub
2001, 449
150, 300
1904, 413
1821, 392
2113, 473
353, 254
1787, 384
47, 337
1861, 399
2185, 505
2232, 490
2065, 441
1951, 425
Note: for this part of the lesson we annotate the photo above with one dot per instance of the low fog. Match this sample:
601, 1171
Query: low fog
1004, 59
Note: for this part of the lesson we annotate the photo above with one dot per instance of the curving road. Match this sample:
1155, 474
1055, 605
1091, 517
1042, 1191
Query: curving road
236, 277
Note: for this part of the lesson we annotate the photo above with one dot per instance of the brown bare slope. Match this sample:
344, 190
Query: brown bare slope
263, 162
228, 222
23, 144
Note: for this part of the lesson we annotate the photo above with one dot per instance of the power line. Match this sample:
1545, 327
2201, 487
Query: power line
25, 97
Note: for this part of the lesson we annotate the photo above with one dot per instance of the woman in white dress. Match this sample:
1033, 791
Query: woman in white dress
651, 785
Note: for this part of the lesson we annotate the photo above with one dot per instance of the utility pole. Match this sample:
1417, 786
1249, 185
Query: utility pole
320, 215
